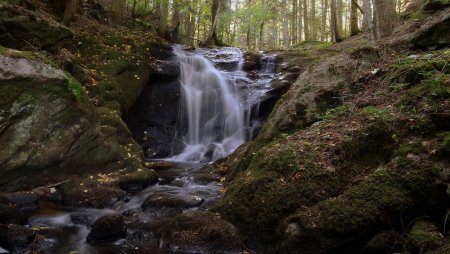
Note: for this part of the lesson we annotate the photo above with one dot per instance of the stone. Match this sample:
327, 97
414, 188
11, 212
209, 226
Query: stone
198, 231
138, 180
252, 61
11, 215
15, 238
435, 34
20, 28
107, 229
424, 236
166, 203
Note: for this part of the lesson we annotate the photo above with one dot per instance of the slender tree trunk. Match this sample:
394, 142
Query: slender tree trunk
284, 24
249, 21
313, 20
340, 17
306, 20
300, 21
274, 27
69, 11
324, 20
211, 40
294, 21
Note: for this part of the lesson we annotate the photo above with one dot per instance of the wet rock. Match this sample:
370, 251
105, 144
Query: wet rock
197, 231
159, 165
11, 215
167, 203
252, 61
81, 219
20, 27
107, 229
138, 180
90, 194
166, 71
25, 201
15, 238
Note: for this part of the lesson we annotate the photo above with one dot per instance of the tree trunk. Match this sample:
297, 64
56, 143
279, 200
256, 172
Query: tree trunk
313, 20
354, 29
69, 11
117, 9
274, 27
324, 19
300, 21
340, 17
306, 20
284, 24
163, 15
334, 27
294, 21
249, 21
211, 40
385, 18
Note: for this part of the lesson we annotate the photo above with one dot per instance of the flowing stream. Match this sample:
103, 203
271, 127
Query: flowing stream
218, 113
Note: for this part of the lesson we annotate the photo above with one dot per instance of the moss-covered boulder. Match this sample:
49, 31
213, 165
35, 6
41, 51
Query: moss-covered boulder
434, 34
21, 28
138, 180
15, 238
196, 231
365, 208
424, 236
11, 215
47, 123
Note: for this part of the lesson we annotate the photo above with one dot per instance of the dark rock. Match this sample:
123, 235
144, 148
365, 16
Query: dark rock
434, 35
88, 194
11, 215
20, 27
153, 119
81, 219
385, 242
25, 201
159, 165
432, 6
15, 238
107, 229
138, 180
167, 203
252, 61
196, 232
165, 71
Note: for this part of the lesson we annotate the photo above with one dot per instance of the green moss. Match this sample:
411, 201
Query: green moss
374, 111
279, 158
409, 148
142, 178
424, 237
444, 141
75, 88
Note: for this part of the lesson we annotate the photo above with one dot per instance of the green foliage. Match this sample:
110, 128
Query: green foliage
374, 111
76, 88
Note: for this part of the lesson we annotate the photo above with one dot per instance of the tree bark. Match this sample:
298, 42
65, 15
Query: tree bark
69, 11
117, 9
354, 29
334, 26
211, 40
163, 15
324, 19
284, 24
386, 18
306, 20
313, 20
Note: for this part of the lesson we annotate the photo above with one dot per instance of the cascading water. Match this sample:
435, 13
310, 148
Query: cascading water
211, 117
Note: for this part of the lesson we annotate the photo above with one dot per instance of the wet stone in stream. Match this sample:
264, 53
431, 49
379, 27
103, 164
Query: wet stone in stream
107, 229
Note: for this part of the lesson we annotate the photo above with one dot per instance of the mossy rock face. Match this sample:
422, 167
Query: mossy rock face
19, 28
107, 229
365, 208
138, 180
11, 215
15, 238
424, 237
198, 231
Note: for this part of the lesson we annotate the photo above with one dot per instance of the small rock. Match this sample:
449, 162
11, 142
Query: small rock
15, 238
81, 219
11, 215
107, 229
168, 203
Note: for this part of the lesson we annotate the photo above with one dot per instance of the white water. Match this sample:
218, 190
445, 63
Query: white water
212, 120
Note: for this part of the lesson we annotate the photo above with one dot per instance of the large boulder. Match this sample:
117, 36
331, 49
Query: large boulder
47, 123
435, 33
21, 28
198, 232
15, 238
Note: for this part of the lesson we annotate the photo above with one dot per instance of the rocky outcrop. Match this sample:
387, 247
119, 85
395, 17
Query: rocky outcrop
21, 28
434, 34
47, 123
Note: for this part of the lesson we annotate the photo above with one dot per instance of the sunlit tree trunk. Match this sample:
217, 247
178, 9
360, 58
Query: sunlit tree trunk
354, 29
324, 19
334, 26
306, 20
163, 15
294, 21
313, 20
284, 24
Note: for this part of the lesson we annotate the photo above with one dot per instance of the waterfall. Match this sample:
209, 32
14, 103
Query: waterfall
211, 117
